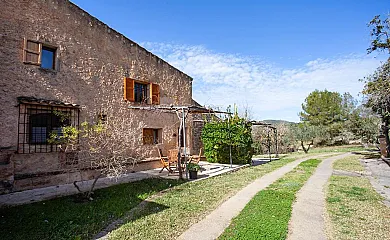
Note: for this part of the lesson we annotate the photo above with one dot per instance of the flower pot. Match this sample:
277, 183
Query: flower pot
193, 174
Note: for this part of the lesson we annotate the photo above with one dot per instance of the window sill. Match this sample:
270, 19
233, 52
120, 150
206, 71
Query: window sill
32, 63
152, 159
48, 70
137, 103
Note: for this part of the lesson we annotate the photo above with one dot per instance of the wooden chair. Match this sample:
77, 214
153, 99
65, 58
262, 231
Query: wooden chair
164, 161
196, 158
187, 151
172, 159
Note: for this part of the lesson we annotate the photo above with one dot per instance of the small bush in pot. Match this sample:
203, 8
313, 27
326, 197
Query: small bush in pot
193, 169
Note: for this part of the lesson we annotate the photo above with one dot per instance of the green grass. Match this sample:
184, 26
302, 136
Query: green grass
351, 164
344, 148
188, 203
354, 209
170, 212
64, 218
267, 215
319, 150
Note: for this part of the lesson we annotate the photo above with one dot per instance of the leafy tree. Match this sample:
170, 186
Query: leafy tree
219, 135
364, 124
305, 134
322, 108
327, 110
377, 92
331, 111
380, 31
348, 105
377, 85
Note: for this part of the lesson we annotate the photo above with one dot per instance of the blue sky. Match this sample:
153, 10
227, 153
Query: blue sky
264, 55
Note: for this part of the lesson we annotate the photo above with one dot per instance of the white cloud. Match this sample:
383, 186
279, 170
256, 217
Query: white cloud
270, 91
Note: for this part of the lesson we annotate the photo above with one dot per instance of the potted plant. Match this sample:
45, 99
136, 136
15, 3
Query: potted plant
193, 169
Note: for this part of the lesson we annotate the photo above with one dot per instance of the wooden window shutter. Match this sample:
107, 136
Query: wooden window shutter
155, 93
32, 52
148, 136
128, 89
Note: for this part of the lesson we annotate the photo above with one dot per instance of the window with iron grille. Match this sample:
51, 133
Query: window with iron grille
37, 122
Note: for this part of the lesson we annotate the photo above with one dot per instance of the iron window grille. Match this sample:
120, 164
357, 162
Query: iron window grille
36, 122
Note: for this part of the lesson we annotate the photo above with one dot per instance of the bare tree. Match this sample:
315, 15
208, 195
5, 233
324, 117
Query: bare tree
104, 142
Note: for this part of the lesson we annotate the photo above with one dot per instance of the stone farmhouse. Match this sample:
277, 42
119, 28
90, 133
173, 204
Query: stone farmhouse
55, 57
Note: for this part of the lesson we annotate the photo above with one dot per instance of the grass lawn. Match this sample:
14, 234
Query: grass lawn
267, 215
354, 208
188, 203
318, 150
170, 213
351, 164
64, 218
344, 148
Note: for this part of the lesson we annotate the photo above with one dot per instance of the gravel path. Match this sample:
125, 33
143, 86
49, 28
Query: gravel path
379, 175
307, 220
215, 223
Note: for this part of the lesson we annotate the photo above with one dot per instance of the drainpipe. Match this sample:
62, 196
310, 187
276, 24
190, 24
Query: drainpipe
184, 140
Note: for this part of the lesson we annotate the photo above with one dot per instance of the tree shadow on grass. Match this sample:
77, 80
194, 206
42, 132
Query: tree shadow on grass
63, 218
260, 161
373, 154
145, 208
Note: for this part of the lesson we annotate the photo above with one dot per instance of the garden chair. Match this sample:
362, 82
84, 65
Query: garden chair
173, 160
164, 161
196, 158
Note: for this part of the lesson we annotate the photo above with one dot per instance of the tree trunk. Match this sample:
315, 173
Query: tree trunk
88, 194
92, 187
386, 133
306, 150
303, 147
77, 187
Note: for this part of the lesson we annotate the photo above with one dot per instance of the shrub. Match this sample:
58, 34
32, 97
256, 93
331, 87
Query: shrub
193, 167
219, 135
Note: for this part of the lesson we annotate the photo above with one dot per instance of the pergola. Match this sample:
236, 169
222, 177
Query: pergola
275, 130
182, 113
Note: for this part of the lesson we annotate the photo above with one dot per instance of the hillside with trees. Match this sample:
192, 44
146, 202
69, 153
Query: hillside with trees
327, 119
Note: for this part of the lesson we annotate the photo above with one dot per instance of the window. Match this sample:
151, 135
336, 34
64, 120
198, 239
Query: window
141, 92
42, 124
37, 122
48, 57
39, 54
152, 136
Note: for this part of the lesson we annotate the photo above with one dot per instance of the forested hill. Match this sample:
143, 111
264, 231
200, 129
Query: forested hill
276, 122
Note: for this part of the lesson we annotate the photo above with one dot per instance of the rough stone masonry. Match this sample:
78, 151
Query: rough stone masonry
91, 61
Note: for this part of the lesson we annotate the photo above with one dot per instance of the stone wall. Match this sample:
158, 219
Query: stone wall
197, 126
91, 63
